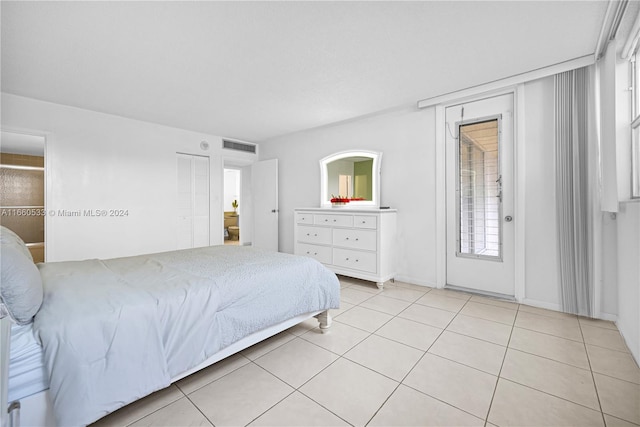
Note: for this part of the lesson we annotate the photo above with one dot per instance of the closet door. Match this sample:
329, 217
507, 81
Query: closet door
193, 201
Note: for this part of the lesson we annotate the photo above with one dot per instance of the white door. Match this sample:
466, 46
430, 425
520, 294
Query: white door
264, 183
193, 201
479, 169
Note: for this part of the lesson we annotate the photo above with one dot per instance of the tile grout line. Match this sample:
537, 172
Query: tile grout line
421, 358
318, 373
401, 382
590, 369
154, 411
442, 401
593, 378
549, 358
296, 389
546, 333
549, 394
545, 392
213, 381
199, 410
504, 358
279, 401
613, 349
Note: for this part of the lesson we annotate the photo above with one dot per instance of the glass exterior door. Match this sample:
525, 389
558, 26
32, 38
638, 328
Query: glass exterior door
480, 195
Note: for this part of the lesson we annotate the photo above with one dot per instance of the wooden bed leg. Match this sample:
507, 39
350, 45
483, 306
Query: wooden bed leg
325, 321
380, 285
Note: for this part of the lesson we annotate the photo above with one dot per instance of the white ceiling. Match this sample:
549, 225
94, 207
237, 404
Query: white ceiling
255, 70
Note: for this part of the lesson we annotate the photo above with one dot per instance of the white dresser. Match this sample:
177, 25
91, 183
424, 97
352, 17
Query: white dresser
353, 242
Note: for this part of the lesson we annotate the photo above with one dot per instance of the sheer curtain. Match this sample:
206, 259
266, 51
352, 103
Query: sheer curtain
574, 115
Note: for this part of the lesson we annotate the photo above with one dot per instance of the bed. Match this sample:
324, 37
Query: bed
109, 332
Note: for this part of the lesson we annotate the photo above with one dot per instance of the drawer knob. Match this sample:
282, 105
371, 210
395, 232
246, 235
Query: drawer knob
364, 222
315, 253
356, 239
308, 252
346, 238
356, 260
334, 220
308, 234
326, 220
347, 259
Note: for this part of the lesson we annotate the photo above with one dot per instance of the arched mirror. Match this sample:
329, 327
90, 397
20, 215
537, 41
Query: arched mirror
350, 179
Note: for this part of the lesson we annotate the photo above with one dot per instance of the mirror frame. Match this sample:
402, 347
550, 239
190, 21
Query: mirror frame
376, 156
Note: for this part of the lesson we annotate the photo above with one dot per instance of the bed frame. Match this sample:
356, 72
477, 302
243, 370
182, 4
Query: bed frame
36, 410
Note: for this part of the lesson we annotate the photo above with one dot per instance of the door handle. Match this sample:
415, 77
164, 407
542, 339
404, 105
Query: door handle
276, 210
508, 218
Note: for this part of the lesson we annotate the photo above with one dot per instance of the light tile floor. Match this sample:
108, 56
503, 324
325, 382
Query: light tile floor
413, 356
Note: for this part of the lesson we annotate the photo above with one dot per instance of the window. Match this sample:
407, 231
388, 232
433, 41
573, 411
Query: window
480, 192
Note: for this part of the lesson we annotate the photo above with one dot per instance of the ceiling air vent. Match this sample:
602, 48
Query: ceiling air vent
239, 146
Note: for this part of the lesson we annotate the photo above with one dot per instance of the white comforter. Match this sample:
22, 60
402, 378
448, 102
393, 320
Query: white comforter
114, 331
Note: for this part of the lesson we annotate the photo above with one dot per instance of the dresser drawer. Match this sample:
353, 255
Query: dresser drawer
333, 220
355, 239
356, 260
311, 234
320, 253
365, 221
304, 218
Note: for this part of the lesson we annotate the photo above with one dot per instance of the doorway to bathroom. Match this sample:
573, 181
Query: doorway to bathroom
232, 205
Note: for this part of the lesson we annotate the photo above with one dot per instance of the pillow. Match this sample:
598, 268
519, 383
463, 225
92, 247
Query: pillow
8, 237
20, 284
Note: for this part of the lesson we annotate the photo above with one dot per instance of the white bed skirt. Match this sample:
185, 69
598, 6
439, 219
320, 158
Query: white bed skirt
36, 410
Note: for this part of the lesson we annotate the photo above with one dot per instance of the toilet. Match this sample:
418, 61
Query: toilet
234, 232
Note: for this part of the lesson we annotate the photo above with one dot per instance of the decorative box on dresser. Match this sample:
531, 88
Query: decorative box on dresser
352, 242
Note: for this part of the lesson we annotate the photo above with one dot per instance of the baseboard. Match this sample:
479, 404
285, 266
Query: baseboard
608, 316
541, 304
556, 307
635, 352
415, 281
481, 293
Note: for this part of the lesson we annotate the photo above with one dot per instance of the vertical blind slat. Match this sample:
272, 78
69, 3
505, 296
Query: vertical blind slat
572, 208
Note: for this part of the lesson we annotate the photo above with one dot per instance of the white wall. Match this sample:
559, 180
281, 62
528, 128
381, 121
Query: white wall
628, 275
609, 278
407, 140
541, 254
100, 161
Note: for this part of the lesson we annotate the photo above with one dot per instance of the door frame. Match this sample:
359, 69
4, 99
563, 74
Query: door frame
241, 177
519, 185
229, 162
48, 220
